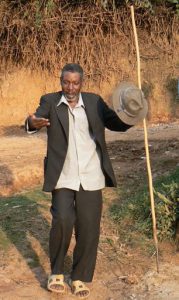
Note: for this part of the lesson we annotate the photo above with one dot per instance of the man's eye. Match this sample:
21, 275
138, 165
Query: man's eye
67, 83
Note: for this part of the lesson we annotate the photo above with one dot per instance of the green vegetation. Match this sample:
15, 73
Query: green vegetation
133, 215
151, 5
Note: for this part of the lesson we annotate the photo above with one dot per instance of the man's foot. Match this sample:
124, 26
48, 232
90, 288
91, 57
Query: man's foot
57, 284
79, 289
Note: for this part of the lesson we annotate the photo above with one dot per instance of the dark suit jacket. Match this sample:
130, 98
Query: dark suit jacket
99, 116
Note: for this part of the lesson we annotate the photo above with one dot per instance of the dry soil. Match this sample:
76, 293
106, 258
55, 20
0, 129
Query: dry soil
122, 273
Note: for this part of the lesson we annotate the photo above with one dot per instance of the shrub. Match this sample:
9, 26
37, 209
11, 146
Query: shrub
135, 211
167, 210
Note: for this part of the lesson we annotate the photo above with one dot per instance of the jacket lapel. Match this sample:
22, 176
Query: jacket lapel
90, 112
90, 108
62, 113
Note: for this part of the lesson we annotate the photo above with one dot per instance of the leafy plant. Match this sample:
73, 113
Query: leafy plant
150, 4
167, 210
135, 211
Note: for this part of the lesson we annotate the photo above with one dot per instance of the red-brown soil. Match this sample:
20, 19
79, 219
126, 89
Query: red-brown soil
122, 273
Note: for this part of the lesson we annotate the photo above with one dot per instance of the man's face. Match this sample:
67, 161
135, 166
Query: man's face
71, 85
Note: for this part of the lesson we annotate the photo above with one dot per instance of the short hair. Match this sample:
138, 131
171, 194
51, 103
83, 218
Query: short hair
74, 68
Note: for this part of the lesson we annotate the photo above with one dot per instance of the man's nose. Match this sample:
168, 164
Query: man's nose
70, 86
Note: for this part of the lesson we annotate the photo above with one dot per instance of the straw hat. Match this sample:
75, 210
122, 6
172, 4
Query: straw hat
129, 103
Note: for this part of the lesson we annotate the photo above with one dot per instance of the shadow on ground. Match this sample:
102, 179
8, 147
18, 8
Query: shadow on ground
25, 223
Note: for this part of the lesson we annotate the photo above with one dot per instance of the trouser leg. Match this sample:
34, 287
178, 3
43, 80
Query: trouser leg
63, 218
88, 206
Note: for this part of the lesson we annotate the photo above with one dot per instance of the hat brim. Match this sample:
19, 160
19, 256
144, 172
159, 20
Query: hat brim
117, 105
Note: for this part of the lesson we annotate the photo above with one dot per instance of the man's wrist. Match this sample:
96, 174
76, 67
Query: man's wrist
30, 124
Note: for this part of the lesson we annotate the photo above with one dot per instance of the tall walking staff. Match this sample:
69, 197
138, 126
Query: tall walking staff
146, 143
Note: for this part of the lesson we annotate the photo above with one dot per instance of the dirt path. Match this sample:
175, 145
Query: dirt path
121, 273
21, 155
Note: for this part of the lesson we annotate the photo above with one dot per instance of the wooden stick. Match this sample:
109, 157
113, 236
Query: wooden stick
146, 145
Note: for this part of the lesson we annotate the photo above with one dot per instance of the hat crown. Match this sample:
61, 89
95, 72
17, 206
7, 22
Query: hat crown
131, 100
129, 103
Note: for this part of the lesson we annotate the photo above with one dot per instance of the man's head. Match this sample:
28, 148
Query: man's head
71, 81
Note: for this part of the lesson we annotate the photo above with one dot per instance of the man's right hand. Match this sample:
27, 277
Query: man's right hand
35, 122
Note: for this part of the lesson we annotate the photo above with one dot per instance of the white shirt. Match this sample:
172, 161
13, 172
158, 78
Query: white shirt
82, 163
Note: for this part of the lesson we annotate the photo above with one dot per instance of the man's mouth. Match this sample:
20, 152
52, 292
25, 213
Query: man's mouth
71, 96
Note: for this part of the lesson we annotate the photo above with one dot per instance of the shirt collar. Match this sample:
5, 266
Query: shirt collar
64, 100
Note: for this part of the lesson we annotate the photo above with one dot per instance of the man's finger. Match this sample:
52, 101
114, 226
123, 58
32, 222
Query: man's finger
40, 122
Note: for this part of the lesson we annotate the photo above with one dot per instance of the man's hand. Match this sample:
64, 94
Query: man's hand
35, 122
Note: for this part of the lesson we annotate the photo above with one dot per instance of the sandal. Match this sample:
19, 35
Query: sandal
56, 284
79, 289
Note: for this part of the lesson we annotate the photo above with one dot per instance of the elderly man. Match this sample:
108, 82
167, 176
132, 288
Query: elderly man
76, 169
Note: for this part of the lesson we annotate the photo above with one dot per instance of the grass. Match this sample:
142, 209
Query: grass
133, 213
24, 216
4, 242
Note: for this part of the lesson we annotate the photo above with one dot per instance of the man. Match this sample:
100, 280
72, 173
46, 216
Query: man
76, 169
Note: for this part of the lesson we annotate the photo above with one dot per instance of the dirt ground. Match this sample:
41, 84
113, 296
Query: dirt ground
122, 273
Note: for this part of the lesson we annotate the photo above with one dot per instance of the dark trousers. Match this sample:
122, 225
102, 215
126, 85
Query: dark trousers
81, 210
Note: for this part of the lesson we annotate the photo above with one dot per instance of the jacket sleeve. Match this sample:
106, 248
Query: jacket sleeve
42, 111
110, 119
